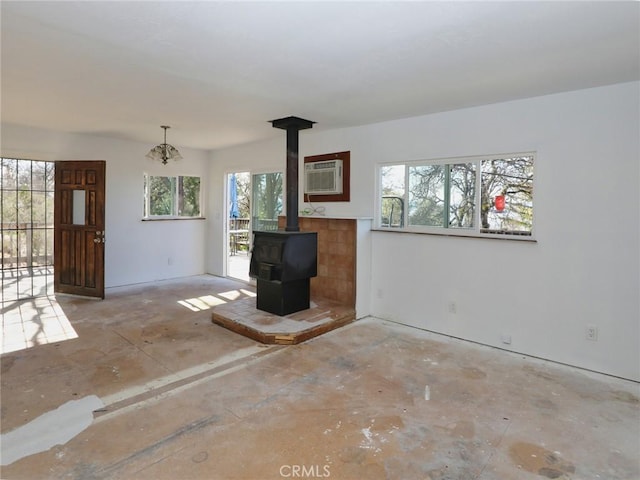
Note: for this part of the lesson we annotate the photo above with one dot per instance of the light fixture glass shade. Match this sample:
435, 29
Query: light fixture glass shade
164, 152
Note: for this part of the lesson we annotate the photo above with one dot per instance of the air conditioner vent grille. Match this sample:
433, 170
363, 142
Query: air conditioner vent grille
323, 178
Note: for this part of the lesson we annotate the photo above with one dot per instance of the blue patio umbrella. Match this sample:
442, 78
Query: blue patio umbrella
233, 197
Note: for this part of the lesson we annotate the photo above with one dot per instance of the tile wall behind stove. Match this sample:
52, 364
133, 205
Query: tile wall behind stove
336, 278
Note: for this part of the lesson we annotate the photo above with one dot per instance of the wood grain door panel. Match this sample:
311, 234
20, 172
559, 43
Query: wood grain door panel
79, 232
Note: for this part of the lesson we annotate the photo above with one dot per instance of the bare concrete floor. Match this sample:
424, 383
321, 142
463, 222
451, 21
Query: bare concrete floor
186, 399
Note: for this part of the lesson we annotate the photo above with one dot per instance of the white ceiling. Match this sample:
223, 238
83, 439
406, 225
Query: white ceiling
217, 72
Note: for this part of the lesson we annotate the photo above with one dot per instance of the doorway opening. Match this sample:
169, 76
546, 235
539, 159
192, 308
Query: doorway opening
254, 202
238, 225
27, 228
30, 313
51, 241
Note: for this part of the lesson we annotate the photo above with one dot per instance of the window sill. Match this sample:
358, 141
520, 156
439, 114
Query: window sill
164, 219
485, 236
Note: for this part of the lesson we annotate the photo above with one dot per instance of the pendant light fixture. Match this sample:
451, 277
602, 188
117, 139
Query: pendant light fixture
164, 151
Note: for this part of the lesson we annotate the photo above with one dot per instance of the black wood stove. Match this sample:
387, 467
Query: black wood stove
283, 264
284, 261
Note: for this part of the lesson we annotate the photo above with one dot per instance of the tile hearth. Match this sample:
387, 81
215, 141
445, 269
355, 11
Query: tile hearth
244, 318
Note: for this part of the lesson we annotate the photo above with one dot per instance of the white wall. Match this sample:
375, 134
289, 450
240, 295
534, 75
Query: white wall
135, 251
584, 267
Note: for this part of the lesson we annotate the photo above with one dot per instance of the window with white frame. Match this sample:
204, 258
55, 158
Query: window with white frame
487, 196
171, 197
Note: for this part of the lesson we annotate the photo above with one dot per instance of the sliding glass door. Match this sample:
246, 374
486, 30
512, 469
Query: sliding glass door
254, 202
266, 201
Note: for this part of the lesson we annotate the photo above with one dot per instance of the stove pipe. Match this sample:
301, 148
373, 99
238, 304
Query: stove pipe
292, 125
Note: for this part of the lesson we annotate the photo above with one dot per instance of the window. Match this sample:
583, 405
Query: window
171, 197
488, 196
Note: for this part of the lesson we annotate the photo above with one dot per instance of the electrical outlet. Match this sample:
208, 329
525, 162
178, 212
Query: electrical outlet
506, 339
453, 308
591, 333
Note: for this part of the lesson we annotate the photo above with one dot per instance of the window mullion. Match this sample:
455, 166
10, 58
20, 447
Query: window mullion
178, 202
174, 202
478, 197
447, 194
405, 209
146, 196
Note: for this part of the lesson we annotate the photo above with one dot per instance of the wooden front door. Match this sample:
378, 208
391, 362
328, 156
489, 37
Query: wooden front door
79, 228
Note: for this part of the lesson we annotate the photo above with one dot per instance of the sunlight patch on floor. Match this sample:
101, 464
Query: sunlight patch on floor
32, 322
231, 294
198, 304
206, 302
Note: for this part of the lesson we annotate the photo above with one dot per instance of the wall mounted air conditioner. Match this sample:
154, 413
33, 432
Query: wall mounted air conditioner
323, 178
